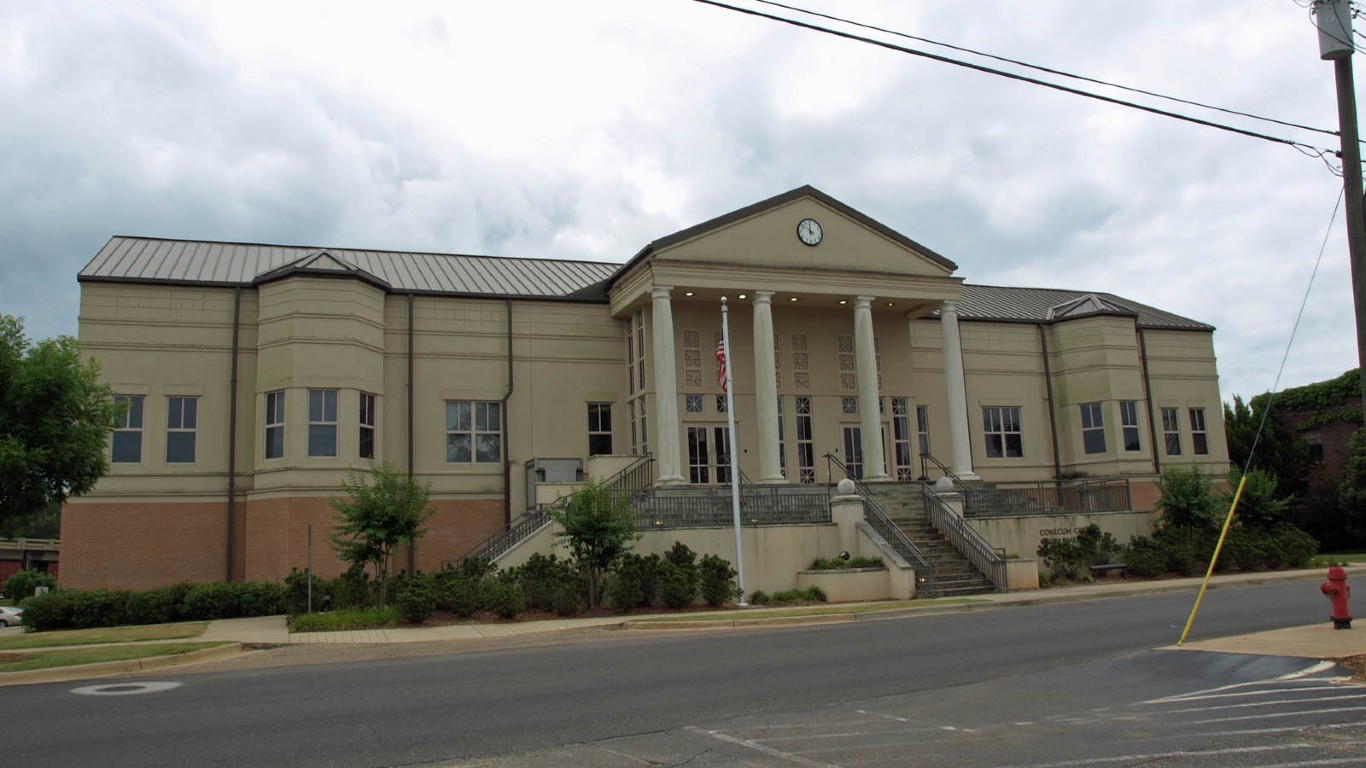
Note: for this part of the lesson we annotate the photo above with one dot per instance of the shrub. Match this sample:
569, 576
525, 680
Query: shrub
296, 592
678, 576
156, 606
838, 564
1187, 498
47, 612
416, 598
501, 598
716, 580
633, 582
99, 608
543, 578
1297, 547
759, 597
211, 601
23, 583
1146, 558
260, 599
812, 594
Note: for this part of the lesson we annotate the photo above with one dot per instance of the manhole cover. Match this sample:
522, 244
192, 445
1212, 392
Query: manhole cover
123, 689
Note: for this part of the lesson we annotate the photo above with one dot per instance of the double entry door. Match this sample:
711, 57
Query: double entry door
708, 454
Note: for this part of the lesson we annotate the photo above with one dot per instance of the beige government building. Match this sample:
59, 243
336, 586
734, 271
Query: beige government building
257, 375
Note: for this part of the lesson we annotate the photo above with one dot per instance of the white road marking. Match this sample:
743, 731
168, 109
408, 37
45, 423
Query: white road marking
123, 689
761, 748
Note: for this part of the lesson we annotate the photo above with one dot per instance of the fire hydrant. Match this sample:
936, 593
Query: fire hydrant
1337, 591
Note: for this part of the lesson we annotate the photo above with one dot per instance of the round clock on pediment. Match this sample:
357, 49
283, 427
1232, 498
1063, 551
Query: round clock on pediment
809, 231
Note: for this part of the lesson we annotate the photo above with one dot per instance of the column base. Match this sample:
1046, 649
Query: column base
968, 476
673, 480
774, 480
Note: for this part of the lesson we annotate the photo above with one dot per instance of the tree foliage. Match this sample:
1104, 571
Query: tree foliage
599, 527
1279, 454
376, 517
1259, 506
1187, 499
1352, 492
55, 419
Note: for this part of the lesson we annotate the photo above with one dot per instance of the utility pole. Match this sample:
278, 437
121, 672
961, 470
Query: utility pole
1334, 18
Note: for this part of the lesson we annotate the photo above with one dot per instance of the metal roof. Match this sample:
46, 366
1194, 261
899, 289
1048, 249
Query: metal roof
1042, 305
193, 262
153, 260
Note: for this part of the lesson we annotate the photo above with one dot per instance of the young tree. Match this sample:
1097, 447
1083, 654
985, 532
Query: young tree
377, 517
599, 526
55, 419
1187, 499
1284, 457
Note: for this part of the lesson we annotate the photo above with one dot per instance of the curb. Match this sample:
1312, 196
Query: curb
775, 621
110, 668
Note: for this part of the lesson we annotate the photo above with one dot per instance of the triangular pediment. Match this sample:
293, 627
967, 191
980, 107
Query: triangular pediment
320, 263
1086, 305
765, 235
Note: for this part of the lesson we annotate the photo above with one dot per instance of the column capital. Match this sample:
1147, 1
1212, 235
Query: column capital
950, 306
863, 302
661, 291
763, 297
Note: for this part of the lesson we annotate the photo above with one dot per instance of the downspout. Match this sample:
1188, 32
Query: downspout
1052, 412
1148, 399
232, 424
412, 547
507, 452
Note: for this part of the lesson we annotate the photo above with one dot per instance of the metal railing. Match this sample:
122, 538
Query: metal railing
636, 479
1099, 495
710, 507
964, 539
880, 522
500, 543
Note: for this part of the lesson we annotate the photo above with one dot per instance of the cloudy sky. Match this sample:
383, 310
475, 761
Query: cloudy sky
585, 129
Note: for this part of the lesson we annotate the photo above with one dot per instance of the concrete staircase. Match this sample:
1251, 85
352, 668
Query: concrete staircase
954, 574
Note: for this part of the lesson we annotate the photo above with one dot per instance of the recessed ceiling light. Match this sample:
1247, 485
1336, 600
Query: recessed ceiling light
794, 298
844, 301
744, 296
689, 293
891, 303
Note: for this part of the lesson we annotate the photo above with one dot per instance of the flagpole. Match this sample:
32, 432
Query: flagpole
734, 474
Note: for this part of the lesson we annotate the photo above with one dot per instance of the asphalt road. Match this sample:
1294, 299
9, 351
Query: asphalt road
656, 698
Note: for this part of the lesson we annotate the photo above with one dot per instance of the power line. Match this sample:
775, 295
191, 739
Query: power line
1320, 151
1047, 70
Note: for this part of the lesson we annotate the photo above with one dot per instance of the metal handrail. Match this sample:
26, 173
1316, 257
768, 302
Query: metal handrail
889, 530
634, 479
965, 539
927, 458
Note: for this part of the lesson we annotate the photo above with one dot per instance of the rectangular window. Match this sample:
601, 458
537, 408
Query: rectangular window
599, 429
640, 351
1199, 436
631, 417
692, 404
1092, 428
721, 404
182, 418
1171, 431
782, 440
806, 451
901, 440
322, 422
849, 406
474, 432
853, 451
275, 424
367, 426
922, 427
127, 447
630, 356
1001, 426
1128, 419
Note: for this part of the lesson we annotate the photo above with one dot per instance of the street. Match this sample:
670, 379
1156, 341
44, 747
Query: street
953, 688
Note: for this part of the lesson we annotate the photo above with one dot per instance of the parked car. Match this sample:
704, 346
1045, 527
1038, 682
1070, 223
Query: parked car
10, 617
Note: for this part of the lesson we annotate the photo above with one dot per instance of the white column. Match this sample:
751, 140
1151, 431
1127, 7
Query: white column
666, 388
865, 357
766, 389
956, 384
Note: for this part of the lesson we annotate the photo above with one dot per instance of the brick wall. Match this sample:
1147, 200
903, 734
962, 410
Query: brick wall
140, 546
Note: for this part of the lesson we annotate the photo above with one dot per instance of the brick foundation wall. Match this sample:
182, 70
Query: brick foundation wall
140, 546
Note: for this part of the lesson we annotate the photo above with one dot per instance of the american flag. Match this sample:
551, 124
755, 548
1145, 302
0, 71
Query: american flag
721, 364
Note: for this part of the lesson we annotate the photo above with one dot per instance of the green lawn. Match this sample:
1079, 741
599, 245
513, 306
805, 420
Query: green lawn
69, 657
348, 619
1339, 557
68, 637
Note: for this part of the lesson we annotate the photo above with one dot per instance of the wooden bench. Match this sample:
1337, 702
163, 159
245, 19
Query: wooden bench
1101, 570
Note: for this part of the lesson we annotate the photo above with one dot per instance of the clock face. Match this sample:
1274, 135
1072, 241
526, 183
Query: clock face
809, 231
